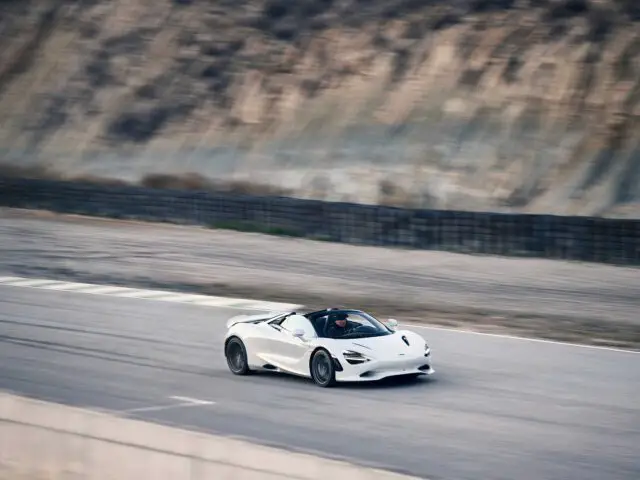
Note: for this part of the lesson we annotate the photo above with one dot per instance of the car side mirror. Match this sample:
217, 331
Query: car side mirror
298, 332
392, 323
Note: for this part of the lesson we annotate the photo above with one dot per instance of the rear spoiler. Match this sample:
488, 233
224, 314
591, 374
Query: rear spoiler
260, 317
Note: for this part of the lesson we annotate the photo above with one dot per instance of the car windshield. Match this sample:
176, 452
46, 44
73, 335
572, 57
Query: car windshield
358, 325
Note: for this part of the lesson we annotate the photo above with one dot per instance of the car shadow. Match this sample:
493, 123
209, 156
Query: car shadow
386, 383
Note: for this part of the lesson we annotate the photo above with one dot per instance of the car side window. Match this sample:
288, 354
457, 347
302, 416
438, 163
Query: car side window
296, 322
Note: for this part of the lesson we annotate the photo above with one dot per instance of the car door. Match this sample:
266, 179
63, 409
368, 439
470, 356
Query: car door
288, 351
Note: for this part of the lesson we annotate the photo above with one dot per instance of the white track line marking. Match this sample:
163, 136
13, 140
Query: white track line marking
11, 279
68, 286
527, 339
97, 290
195, 401
146, 294
185, 402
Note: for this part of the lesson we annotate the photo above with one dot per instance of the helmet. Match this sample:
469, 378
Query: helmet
338, 316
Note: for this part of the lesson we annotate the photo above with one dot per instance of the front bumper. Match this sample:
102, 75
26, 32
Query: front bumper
379, 369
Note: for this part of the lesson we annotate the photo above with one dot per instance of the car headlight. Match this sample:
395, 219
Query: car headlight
354, 358
427, 350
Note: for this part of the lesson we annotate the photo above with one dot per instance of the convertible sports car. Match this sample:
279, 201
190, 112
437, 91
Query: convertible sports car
328, 346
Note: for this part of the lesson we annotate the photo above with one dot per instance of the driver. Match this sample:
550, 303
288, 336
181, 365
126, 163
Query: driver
339, 325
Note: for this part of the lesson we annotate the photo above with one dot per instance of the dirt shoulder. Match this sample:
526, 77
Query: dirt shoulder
586, 303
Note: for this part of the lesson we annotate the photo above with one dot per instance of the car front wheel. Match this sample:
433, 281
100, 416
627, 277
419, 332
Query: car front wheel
236, 355
323, 371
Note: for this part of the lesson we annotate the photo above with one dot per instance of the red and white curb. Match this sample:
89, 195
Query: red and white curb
156, 295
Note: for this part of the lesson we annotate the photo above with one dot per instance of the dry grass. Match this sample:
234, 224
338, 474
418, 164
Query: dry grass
527, 105
189, 181
192, 181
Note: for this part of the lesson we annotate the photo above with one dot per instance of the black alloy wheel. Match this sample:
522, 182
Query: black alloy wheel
236, 356
323, 371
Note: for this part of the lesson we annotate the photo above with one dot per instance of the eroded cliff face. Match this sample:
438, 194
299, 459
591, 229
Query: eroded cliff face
527, 105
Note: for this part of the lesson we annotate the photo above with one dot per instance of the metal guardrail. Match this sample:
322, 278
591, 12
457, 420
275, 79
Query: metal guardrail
544, 236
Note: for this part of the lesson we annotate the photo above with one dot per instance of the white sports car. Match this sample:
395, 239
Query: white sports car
328, 346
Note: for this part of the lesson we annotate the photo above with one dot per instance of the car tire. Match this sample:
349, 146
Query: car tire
236, 355
323, 370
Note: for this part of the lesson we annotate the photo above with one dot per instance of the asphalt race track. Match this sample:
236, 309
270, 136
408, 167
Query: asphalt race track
497, 408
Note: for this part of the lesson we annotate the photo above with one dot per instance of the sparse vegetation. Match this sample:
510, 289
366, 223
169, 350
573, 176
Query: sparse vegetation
527, 105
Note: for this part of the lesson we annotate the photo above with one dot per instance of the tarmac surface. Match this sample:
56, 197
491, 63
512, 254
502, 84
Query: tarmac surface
497, 408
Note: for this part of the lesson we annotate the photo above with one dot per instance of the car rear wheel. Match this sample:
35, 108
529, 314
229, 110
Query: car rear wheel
236, 355
323, 371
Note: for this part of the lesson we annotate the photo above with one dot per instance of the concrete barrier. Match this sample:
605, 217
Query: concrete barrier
42, 440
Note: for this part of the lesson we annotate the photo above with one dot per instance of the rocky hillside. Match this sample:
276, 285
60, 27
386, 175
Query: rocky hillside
526, 105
